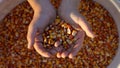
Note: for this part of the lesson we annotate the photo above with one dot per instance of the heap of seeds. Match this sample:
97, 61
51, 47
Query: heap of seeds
59, 31
95, 53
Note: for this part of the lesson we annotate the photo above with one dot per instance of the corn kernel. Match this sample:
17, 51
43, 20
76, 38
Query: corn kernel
68, 31
74, 32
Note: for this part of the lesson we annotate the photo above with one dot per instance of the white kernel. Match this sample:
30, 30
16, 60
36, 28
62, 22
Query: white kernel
68, 31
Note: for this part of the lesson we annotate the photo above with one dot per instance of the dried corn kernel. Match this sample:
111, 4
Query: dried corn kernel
68, 31
74, 32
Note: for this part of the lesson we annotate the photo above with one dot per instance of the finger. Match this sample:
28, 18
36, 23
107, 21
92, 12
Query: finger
39, 47
59, 50
78, 45
41, 50
38, 37
31, 36
79, 34
79, 19
52, 51
65, 53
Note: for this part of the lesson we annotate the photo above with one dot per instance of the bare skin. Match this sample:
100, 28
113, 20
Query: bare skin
42, 17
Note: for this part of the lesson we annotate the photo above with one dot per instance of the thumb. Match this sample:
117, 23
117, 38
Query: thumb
31, 35
79, 19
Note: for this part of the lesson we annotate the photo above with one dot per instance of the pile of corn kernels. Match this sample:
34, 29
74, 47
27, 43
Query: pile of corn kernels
95, 53
59, 31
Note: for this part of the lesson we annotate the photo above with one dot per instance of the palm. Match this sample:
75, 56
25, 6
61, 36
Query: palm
42, 17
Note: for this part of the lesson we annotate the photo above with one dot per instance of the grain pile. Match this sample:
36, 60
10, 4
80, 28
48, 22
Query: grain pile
96, 53
59, 31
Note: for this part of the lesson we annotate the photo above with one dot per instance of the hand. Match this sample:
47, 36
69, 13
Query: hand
74, 49
44, 14
68, 11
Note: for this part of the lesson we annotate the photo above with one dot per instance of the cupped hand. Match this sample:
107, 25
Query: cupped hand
74, 49
44, 14
68, 11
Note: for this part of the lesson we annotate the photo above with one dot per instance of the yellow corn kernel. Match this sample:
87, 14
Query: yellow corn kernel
74, 32
68, 31
69, 41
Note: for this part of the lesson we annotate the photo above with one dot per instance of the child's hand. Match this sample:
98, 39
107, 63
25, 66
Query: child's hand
44, 14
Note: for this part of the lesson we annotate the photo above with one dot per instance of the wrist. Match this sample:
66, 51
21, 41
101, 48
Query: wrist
42, 7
